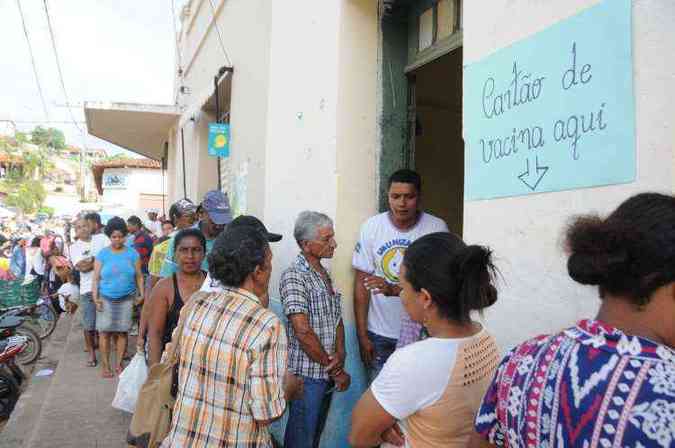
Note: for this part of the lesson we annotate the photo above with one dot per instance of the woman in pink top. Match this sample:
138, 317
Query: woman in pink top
428, 392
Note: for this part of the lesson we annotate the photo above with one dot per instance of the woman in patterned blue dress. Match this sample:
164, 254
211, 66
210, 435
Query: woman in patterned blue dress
610, 381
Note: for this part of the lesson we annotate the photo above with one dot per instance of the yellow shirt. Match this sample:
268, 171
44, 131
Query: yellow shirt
157, 257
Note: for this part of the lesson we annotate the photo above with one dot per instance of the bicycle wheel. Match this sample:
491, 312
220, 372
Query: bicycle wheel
33, 350
44, 320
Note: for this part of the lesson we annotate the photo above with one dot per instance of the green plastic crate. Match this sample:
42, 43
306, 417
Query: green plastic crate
15, 293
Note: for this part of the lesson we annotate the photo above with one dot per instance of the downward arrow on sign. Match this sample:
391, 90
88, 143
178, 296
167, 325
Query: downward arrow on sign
534, 177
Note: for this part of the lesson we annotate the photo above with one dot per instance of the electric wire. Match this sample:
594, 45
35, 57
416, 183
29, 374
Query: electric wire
179, 57
83, 150
32, 60
175, 35
220, 37
58, 67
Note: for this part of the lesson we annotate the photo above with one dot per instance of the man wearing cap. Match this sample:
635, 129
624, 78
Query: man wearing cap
214, 214
232, 379
211, 285
182, 215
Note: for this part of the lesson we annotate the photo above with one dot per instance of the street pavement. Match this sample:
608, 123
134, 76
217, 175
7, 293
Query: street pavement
75, 409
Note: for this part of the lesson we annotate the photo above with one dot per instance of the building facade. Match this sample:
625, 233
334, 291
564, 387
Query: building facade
130, 186
325, 100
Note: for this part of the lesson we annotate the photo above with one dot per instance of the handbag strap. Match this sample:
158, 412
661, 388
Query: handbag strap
172, 351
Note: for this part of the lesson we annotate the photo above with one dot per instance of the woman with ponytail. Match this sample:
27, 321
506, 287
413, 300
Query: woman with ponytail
608, 381
428, 392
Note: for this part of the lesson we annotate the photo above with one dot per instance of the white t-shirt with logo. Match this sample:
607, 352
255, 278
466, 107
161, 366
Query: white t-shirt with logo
379, 252
80, 250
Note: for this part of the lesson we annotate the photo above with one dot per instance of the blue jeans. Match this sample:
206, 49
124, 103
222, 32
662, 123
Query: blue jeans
383, 347
307, 416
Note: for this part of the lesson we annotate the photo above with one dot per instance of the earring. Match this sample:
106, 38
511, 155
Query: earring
425, 321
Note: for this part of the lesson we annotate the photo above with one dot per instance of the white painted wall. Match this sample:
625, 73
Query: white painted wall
301, 124
245, 31
139, 181
537, 296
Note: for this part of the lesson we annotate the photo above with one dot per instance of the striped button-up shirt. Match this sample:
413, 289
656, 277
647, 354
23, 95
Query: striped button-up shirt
232, 362
303, 290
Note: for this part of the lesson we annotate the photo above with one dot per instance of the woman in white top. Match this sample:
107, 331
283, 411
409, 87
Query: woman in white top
428, 392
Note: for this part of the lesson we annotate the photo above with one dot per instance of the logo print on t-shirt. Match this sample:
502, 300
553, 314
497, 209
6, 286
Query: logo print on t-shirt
391, 263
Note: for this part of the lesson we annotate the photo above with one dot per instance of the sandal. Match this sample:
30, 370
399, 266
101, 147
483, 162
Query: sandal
106, 373
118, 370
92, 363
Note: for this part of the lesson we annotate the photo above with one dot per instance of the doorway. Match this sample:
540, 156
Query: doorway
422, 58
436, 144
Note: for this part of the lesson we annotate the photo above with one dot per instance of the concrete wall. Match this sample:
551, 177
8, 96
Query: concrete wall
245, 30
537, 295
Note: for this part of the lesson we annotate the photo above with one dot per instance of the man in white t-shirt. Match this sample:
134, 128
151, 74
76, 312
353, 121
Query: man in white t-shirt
153, 224
381, 322
82, 255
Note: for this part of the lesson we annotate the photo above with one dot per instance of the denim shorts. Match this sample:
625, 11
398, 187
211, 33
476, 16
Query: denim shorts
116, 315
383, 347
88, 312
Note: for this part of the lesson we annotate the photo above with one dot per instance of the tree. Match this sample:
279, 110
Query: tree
28, 195
51, 138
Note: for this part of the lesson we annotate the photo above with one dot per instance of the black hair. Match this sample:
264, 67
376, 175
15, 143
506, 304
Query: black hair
135, 221
459, 278
76, 276
166, 221
631, 253
94, 217
35, 242
115, 224
235, 254
406, 176
186, 233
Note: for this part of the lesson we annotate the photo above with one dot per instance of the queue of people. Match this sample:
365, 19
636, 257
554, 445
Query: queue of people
435, 374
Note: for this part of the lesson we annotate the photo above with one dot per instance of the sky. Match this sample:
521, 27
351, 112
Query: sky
110, 51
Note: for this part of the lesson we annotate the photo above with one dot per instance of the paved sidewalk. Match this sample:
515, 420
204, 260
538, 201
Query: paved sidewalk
77, 411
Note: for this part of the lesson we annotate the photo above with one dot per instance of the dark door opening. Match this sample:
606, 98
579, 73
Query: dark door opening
436, 144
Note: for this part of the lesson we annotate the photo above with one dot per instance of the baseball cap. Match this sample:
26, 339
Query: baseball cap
252, 221
217, 205
182, 207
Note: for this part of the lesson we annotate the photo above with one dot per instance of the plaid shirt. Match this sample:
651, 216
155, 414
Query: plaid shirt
232, 363
303, 290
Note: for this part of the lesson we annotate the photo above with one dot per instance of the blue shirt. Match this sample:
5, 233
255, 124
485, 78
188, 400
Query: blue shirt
118, 273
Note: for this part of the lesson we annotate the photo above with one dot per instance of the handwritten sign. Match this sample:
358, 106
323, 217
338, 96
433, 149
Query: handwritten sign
219, 139
555, 111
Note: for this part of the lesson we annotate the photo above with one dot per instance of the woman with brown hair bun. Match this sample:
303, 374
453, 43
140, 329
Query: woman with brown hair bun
429, 391
608, 381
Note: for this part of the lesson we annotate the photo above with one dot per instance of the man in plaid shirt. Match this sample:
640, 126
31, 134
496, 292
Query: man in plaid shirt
232, 352
316, 336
